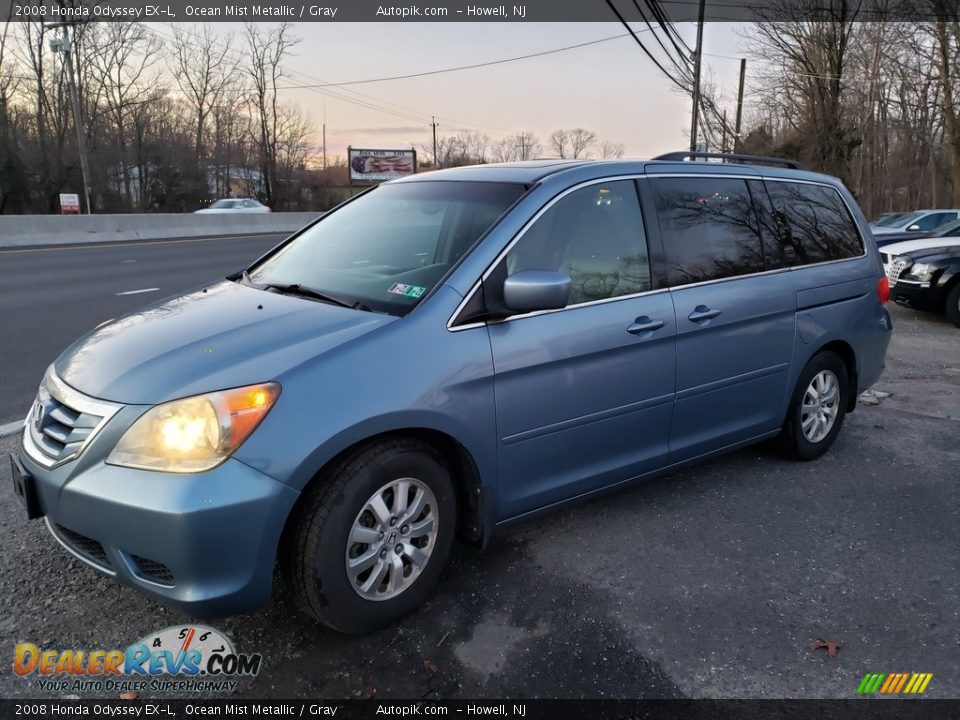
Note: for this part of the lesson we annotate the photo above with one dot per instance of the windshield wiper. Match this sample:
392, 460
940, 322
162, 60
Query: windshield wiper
308, 292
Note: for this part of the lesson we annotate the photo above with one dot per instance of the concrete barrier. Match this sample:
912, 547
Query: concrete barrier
26, 230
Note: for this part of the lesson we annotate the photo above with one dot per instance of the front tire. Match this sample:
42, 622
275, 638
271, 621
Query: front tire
817, 408
371, 537
953, 305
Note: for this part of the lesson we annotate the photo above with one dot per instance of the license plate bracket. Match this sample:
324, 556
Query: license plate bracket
24, 488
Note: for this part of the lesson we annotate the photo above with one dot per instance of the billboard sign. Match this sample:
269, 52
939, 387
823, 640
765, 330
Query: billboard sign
373, 166
69, 204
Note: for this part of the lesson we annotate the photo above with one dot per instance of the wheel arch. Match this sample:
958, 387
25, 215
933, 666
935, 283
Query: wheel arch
470, 495
845, 352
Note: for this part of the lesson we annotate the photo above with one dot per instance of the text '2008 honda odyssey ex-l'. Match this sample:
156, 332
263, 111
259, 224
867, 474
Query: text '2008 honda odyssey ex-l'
446, 354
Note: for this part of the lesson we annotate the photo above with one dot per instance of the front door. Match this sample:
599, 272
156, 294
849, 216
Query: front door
584, 395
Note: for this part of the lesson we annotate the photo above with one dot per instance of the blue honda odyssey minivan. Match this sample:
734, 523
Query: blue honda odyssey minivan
446, 354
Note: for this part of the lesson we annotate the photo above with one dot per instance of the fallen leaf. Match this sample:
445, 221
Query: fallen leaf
129, 695
367, 692
831, 646
431, 666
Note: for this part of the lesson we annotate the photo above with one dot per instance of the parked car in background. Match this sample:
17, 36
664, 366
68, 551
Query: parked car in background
926, 276
950, 230
889, 253
235, 205
443, 356
886, 218
918, 221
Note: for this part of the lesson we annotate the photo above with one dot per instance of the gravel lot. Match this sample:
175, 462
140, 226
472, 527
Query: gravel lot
712, 582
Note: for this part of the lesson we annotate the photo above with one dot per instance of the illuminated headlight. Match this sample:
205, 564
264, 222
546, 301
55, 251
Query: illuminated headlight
922, 271
195, 433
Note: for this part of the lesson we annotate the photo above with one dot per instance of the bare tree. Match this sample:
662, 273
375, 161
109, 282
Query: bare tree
612, 150
946, 35
581, 141
11, 166
560, 143
806, 52
266, 49
504, 150
203, 69
120, 55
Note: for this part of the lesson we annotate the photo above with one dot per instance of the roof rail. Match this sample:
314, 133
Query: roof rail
731, 157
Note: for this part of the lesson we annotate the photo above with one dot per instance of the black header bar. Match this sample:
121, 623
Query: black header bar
453, 10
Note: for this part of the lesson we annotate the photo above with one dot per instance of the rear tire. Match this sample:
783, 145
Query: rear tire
953, 305
817, 408
354, 557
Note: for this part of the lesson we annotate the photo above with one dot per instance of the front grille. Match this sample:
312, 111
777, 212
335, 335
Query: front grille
154, 571
896, 270
82, 545
59, 430
62, 421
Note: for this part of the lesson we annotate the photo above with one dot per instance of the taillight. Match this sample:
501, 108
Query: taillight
883, 289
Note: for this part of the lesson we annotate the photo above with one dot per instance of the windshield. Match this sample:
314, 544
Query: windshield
948, 230
224, 204
389, 248
904, 220
887, 219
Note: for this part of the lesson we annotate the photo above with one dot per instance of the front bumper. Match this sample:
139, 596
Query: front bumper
914, 294
203, 543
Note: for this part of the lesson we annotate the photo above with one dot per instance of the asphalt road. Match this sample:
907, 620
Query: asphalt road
51, 296
712, 582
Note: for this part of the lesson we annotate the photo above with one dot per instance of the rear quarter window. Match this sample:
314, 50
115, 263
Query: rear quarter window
813, 225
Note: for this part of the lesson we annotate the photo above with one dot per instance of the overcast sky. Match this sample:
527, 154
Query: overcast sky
610, 87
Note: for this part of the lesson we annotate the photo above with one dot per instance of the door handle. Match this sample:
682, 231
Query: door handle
702, 312
644, 324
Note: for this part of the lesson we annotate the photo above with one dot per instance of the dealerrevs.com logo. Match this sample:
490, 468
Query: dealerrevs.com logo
189, 658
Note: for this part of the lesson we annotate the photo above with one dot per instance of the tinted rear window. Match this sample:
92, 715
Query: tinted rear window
813, 225
709, 227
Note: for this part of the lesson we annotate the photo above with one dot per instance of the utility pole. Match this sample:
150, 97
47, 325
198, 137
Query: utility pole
524, 144
324, 146
695, 121
736, 134
62, 45
433, 124
723, 142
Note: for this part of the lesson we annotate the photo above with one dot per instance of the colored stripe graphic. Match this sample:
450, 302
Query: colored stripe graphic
894, 683
870, 683
891, 681
922, 683
900, 683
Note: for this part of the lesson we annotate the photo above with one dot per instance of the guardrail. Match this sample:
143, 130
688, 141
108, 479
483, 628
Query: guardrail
28, 230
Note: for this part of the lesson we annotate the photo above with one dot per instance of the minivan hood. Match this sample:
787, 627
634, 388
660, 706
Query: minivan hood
223, 336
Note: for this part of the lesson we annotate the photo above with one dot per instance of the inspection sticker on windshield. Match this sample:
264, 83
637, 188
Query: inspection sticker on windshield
410, 291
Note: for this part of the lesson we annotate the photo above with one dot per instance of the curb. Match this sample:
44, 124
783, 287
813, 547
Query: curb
10, 428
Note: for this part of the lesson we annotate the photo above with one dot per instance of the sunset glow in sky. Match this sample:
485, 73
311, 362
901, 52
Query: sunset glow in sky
609, 87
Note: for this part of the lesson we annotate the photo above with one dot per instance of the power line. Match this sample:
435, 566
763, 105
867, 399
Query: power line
644, 47
405, 113
683, 70
238, 57
460, 67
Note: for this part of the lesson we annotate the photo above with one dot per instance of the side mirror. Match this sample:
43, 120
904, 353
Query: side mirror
532, 290
913, 227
